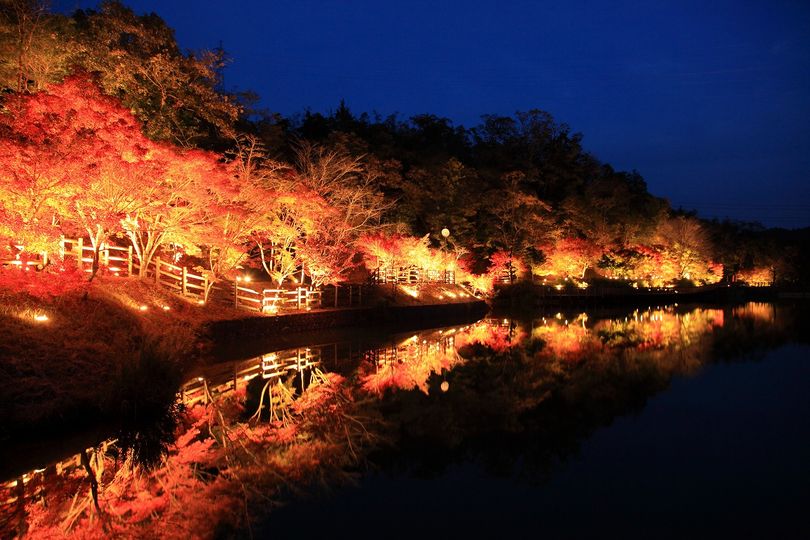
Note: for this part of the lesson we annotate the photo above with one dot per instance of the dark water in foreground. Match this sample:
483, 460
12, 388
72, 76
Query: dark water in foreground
669, 422
698, 431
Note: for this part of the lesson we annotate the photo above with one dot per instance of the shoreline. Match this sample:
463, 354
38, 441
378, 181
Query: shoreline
242, 338
531, 295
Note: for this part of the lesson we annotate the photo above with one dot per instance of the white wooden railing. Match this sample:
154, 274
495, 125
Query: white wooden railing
275, 300
412, 275
263, 298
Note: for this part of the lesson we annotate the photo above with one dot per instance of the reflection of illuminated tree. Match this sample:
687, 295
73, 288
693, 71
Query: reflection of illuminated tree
528, 407
759, 311
566, 339
408, 366
492, 333
660, 328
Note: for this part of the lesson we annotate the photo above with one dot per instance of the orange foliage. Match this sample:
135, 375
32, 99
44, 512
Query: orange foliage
757, 276
504, 266
399, 252
656, 266
76, 162
409, 367
65, 279
568, 258
491, 333
567, 340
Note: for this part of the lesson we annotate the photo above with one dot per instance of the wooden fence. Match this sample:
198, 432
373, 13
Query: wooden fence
274, 300
223, 379
412, 275
179, 279
118, 260
262, 298
122, 262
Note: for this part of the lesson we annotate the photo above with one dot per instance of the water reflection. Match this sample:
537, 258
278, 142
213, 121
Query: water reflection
516, 395
149, 412
409, 364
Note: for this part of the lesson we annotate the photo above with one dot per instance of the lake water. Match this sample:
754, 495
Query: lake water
684, 428
664, 422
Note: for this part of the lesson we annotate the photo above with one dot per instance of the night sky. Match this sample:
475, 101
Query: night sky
709, 101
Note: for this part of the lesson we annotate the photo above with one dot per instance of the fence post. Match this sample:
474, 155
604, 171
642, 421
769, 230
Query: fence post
298, 299
359, 295
129, 261
205, 288
235, 294
80, 258
185, 281
157, 270
336, 295
350, 296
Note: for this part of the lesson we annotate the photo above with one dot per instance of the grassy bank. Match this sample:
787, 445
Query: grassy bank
75, 353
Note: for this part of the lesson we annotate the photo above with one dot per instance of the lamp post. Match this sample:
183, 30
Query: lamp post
445, 232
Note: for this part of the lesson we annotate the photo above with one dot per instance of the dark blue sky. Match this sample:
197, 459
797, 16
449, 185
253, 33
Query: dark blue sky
709, 101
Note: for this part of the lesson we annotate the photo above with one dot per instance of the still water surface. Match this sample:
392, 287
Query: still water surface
671, 424
667, 422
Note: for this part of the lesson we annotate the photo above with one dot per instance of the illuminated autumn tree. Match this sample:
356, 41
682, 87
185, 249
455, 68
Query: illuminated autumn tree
246, 221
521, 218
105, 170
687, 243
43, 166
644, 264
652, 266
569, 258
504, 266
351, 207
290, 218
184, 194
74, 160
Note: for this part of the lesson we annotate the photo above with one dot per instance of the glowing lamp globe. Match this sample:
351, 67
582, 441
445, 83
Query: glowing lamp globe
445, 386
445, 232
